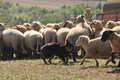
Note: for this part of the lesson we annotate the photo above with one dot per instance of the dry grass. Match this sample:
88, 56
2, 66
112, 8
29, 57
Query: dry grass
54, 4
36, 70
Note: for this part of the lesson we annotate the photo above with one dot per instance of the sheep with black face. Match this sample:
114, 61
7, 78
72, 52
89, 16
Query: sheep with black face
114, 39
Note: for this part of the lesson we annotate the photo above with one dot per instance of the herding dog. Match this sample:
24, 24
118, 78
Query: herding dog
55, 49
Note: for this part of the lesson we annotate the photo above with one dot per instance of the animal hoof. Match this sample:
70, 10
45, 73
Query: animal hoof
114, 62
80, 63
75, 61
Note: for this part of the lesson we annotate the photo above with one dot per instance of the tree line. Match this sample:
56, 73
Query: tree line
14, 14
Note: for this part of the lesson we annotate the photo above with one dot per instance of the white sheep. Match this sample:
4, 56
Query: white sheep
69, 24
114, 39
27, 25
110, 24
35, 25
14, 39
82, 28
98, 28
94, 48
55, 26
33, 42
2, 27
49, 35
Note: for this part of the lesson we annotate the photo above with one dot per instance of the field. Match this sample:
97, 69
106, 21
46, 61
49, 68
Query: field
54, 4
37, 70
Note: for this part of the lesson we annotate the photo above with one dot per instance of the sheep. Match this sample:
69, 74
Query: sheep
118, 23
14, 39
69, 24
80, 18
98, 28
82, 28
54, 48
49, 35
110, 24
35, 25
27, 25
114, 39
2, 27
114, 25
55, 26
21, 28
94, 48
33, 42
61, 35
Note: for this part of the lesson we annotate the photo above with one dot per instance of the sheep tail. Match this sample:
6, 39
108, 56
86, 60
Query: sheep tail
39, 48
112, 58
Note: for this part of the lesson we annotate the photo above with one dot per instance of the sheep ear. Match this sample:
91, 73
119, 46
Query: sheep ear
74, 18
82, 15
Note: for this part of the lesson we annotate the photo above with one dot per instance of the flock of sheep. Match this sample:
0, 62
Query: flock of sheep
97, 40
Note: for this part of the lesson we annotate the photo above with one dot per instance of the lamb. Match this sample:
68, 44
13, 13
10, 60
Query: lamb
94, 48
33, 42
82, 28
14, 39
53, 48
114, 39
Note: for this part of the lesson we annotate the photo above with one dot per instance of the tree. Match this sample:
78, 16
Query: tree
99, 6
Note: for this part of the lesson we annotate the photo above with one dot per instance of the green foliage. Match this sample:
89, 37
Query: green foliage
14, 14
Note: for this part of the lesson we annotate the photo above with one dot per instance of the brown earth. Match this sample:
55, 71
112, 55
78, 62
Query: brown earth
54, 4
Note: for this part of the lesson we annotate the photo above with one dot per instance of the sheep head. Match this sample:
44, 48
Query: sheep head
110, 24
106, 35
80, 18
2, 26
97, 24
81, 40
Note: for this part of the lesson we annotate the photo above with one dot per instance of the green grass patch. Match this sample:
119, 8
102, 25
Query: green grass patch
37, 70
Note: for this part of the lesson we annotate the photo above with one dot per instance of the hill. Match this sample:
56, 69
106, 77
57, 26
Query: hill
54, 4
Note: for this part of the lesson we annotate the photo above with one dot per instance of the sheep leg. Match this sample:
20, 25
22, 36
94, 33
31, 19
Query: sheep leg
118, 64
34, 53
83, 59
108, 61
97, 63
112, 58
